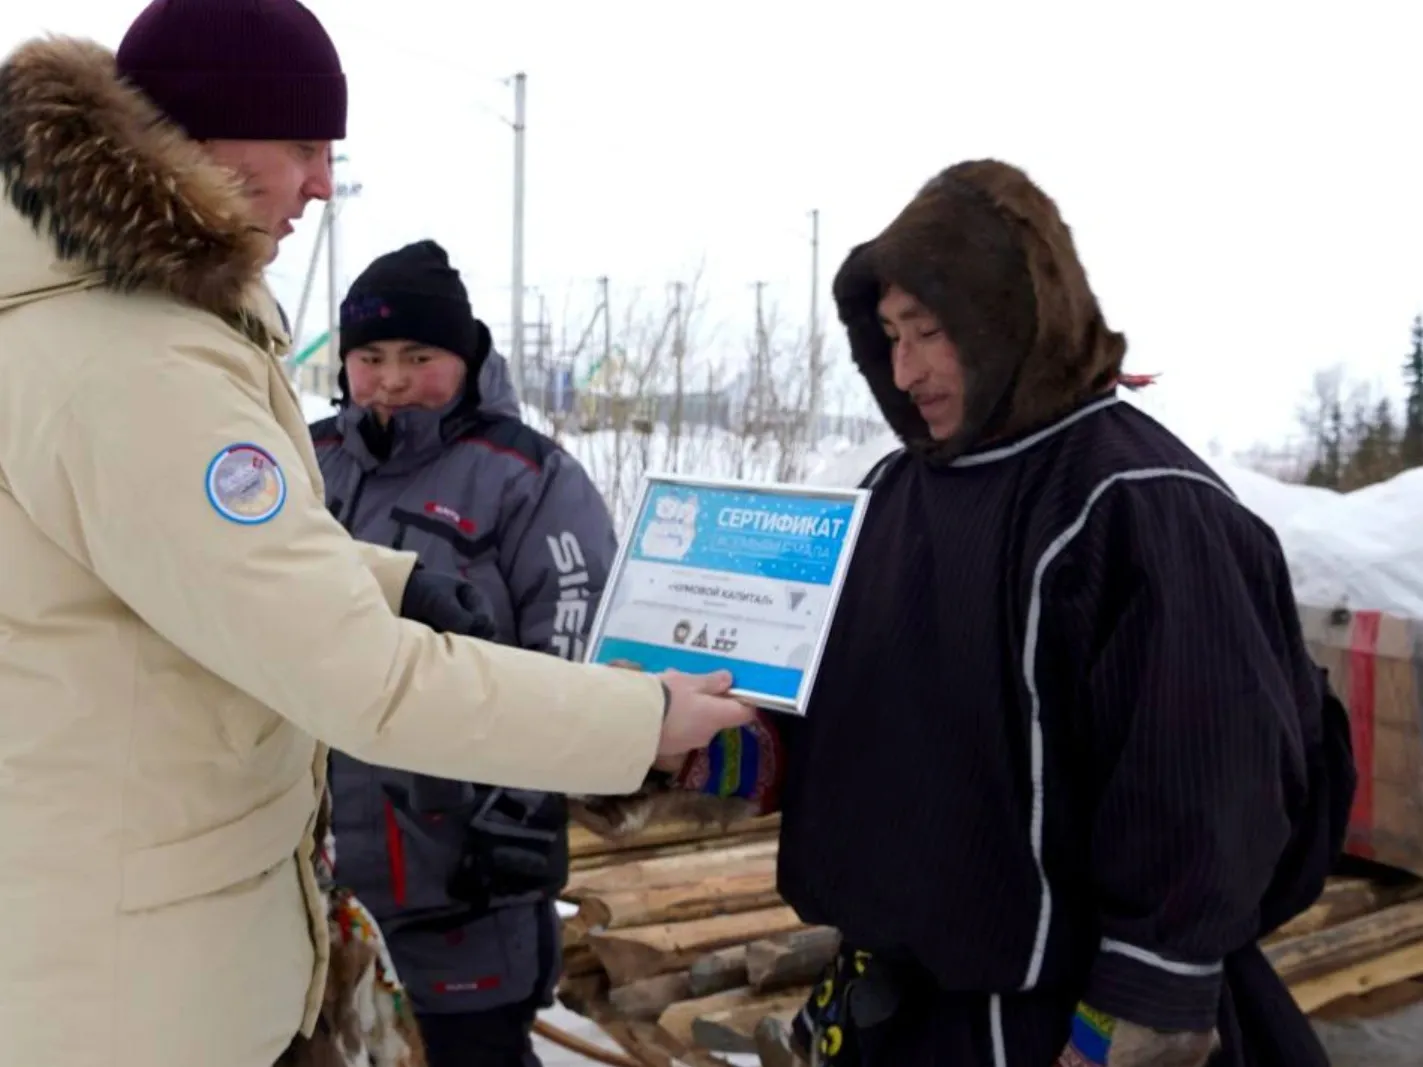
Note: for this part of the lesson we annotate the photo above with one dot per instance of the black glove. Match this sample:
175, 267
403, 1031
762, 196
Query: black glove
447, 604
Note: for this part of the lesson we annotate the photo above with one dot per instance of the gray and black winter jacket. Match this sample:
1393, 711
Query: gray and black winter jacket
462, 876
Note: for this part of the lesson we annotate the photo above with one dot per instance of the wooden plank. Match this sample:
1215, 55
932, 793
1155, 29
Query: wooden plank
1385, 1000
775, 1045
733, 1030
678, 1018
707, 896
606, 859
662, 1050
1309, 956
646, 999
583, 994
584, 842
680, 869
791, 959
1344, 899
643, 951
580, 960
1378, 972
624, 1035
716, 972
586, 1051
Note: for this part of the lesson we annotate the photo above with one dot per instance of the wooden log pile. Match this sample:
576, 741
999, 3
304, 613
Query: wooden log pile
681, 945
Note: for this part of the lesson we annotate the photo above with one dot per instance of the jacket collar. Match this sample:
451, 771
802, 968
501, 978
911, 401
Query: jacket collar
412, 439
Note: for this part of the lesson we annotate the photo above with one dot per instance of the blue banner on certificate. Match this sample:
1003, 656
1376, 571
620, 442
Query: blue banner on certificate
728, 575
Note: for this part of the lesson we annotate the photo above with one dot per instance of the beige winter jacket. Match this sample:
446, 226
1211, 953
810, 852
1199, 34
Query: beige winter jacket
166, 672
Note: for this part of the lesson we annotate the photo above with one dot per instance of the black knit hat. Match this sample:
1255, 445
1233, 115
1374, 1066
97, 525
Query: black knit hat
240, 70
413, 294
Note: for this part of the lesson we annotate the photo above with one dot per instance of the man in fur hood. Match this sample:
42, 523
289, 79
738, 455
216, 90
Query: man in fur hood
1067, 758
183, 625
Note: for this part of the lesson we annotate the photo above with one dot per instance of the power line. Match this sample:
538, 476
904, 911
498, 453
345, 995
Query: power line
387, 42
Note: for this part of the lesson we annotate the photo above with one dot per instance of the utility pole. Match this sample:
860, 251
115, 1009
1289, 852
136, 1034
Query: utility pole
327, 241
516, 354
310, 283
341, 192
817, 371
544, 333
333, 286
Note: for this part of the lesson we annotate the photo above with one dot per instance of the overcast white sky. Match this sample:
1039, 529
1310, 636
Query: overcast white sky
1244, 179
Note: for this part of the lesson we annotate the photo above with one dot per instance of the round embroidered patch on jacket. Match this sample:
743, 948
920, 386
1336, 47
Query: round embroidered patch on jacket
246, 485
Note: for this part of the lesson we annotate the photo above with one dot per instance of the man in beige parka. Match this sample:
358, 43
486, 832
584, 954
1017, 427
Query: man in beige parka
183, 627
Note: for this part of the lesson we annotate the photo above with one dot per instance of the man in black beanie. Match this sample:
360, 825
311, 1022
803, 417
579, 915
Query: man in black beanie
413, 293
461, 877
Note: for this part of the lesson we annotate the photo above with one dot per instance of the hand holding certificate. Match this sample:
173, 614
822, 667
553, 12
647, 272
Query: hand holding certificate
730, 576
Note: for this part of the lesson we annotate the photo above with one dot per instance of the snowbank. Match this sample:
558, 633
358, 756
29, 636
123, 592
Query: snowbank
1362, 550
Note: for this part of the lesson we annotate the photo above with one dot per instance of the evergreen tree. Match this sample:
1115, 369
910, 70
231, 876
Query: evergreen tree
1373, 445
1411, 446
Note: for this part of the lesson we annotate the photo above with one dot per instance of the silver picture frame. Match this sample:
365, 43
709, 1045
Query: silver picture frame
857, 498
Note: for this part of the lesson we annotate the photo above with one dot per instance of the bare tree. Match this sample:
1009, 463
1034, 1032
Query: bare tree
636, 410
688, 309
1322, 418
663, 396
773, 427
1352, 435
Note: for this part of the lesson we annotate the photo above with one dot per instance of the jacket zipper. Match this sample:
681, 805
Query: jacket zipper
349, 519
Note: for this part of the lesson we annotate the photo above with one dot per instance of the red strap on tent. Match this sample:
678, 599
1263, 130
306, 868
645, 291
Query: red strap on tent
1363, 660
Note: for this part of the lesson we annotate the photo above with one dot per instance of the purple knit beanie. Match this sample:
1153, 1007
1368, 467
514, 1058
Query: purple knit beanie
238, 70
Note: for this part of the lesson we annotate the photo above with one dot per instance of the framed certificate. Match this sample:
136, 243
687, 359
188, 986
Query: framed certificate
730, 575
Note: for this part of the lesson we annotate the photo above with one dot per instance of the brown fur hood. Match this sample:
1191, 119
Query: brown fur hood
118, 192
986, 251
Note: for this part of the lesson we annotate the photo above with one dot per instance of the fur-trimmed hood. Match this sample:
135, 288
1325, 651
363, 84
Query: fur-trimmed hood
105, 192
986, 251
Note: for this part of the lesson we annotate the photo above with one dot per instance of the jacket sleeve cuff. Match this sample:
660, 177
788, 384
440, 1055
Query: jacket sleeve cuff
746, 763
391, 569
1155, 991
